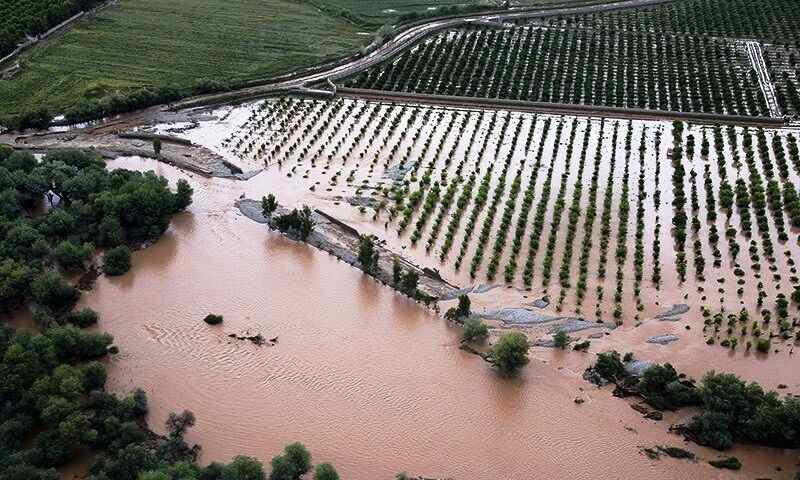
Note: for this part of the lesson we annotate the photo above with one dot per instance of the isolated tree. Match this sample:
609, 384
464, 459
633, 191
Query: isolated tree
397, 271
510, 353
157, 147
461, 311
242, 468
367, 254
293, 464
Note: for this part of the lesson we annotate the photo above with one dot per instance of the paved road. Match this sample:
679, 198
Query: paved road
767, 87
404, 39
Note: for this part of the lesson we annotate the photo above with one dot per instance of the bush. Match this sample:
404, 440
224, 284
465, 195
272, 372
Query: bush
117, 261
82, 318
213, 319
474, 330
763, 345
561, 339
610, 366
297, 221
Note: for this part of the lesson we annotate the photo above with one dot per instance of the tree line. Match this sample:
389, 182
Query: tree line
21, 18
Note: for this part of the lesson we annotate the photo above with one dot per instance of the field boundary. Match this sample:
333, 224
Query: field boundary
562, 108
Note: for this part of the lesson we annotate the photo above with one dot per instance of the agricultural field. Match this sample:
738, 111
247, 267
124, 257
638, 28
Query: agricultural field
785, 72
773, 24
184, 41
770, 21
608, 218
578, 66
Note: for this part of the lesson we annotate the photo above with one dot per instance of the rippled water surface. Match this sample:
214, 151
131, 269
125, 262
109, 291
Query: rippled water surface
367, 379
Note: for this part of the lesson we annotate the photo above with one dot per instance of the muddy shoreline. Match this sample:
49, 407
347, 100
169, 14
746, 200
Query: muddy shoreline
174, 150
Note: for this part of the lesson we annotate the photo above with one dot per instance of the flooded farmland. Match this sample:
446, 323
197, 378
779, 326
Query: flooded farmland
364, 377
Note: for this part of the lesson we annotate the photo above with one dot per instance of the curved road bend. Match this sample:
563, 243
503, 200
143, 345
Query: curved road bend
401, 41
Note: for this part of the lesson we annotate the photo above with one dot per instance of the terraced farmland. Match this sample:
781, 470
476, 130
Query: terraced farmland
578, 66
608, 218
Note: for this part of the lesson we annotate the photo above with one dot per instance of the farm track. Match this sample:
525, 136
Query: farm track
557, 108
767, 87
404, 39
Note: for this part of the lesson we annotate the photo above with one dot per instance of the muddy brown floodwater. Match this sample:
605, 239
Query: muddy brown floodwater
367, 379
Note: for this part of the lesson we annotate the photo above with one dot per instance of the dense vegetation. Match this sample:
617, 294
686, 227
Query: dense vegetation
86, 206
19, 18
731, 410
53, 403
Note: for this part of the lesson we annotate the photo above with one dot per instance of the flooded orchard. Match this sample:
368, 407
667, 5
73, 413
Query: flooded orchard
366, 378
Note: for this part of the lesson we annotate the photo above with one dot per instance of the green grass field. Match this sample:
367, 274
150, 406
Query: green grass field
152, 42
379, 12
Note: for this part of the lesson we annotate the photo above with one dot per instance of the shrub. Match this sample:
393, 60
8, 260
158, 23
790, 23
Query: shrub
474, 330
82, 318
610, 366
561, 339
763, 345
213, 319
